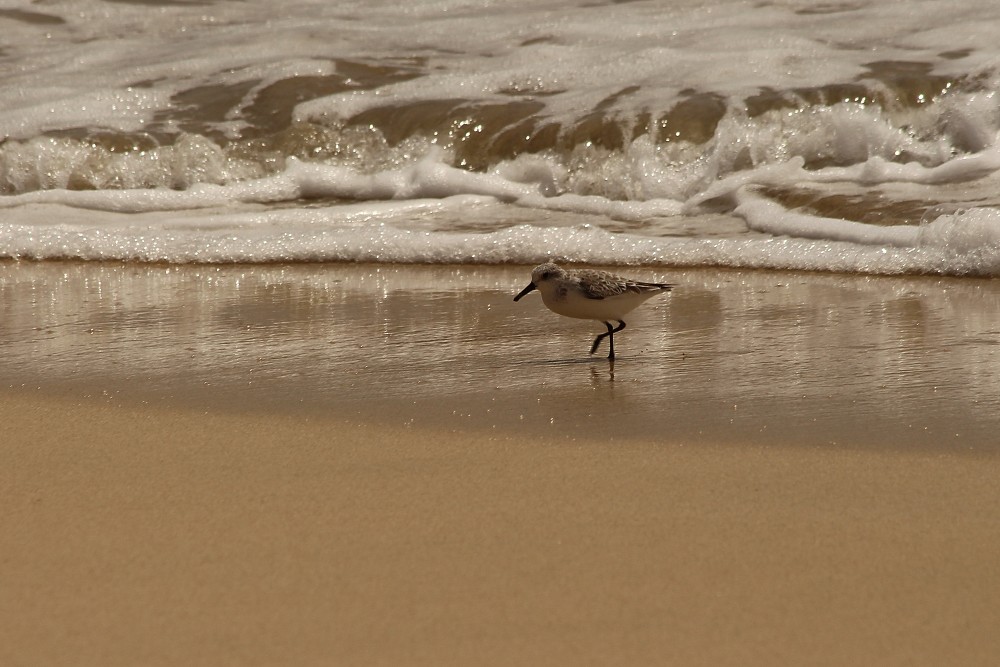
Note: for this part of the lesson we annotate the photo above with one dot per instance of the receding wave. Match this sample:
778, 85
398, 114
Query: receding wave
849, 137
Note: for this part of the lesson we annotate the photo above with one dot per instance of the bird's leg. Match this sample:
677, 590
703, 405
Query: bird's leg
610, 332
611, 339
600, 337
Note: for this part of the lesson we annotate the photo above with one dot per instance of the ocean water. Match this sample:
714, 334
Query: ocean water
853, 136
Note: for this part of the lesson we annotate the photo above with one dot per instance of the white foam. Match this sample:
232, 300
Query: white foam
123, 109
963, 244
194, 199
199, 225
965, 232
767, 216
577, 56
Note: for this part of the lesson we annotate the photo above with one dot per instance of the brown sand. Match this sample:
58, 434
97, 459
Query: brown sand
372, 505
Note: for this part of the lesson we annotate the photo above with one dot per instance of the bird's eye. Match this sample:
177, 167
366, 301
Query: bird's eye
546, 275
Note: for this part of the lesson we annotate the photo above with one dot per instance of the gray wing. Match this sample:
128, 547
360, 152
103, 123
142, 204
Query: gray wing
637, 286
600, 284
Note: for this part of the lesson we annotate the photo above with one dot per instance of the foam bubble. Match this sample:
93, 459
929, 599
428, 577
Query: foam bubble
378, 232
767, 216
963, 232
158, 135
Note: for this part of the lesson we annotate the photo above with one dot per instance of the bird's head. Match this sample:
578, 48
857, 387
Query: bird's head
540, 275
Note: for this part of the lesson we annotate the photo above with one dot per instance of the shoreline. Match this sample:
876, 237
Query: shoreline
287, 465
728, 357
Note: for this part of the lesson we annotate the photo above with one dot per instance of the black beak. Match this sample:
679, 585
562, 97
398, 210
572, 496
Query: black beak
531, 286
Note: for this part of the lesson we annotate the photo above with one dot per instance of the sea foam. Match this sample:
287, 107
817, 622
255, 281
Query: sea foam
849, 137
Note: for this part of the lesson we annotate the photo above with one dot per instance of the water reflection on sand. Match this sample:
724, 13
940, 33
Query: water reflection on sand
735, 356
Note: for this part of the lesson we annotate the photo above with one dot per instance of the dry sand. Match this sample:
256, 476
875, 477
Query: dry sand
351, 465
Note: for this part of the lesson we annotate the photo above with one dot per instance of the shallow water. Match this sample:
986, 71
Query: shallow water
727, 357
774, 135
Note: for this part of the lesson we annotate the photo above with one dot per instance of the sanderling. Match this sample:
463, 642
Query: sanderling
591, 295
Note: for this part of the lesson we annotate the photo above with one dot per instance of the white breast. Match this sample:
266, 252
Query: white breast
572, 303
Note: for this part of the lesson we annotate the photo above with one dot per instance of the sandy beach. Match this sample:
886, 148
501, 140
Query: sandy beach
362, 465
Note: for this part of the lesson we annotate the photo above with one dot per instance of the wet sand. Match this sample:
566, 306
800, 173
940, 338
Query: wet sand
363, 465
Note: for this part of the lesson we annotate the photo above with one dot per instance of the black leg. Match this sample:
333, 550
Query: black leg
600, 337
611, 331
611, 339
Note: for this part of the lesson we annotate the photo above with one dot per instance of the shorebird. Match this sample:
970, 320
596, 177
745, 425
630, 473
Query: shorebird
588, 294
